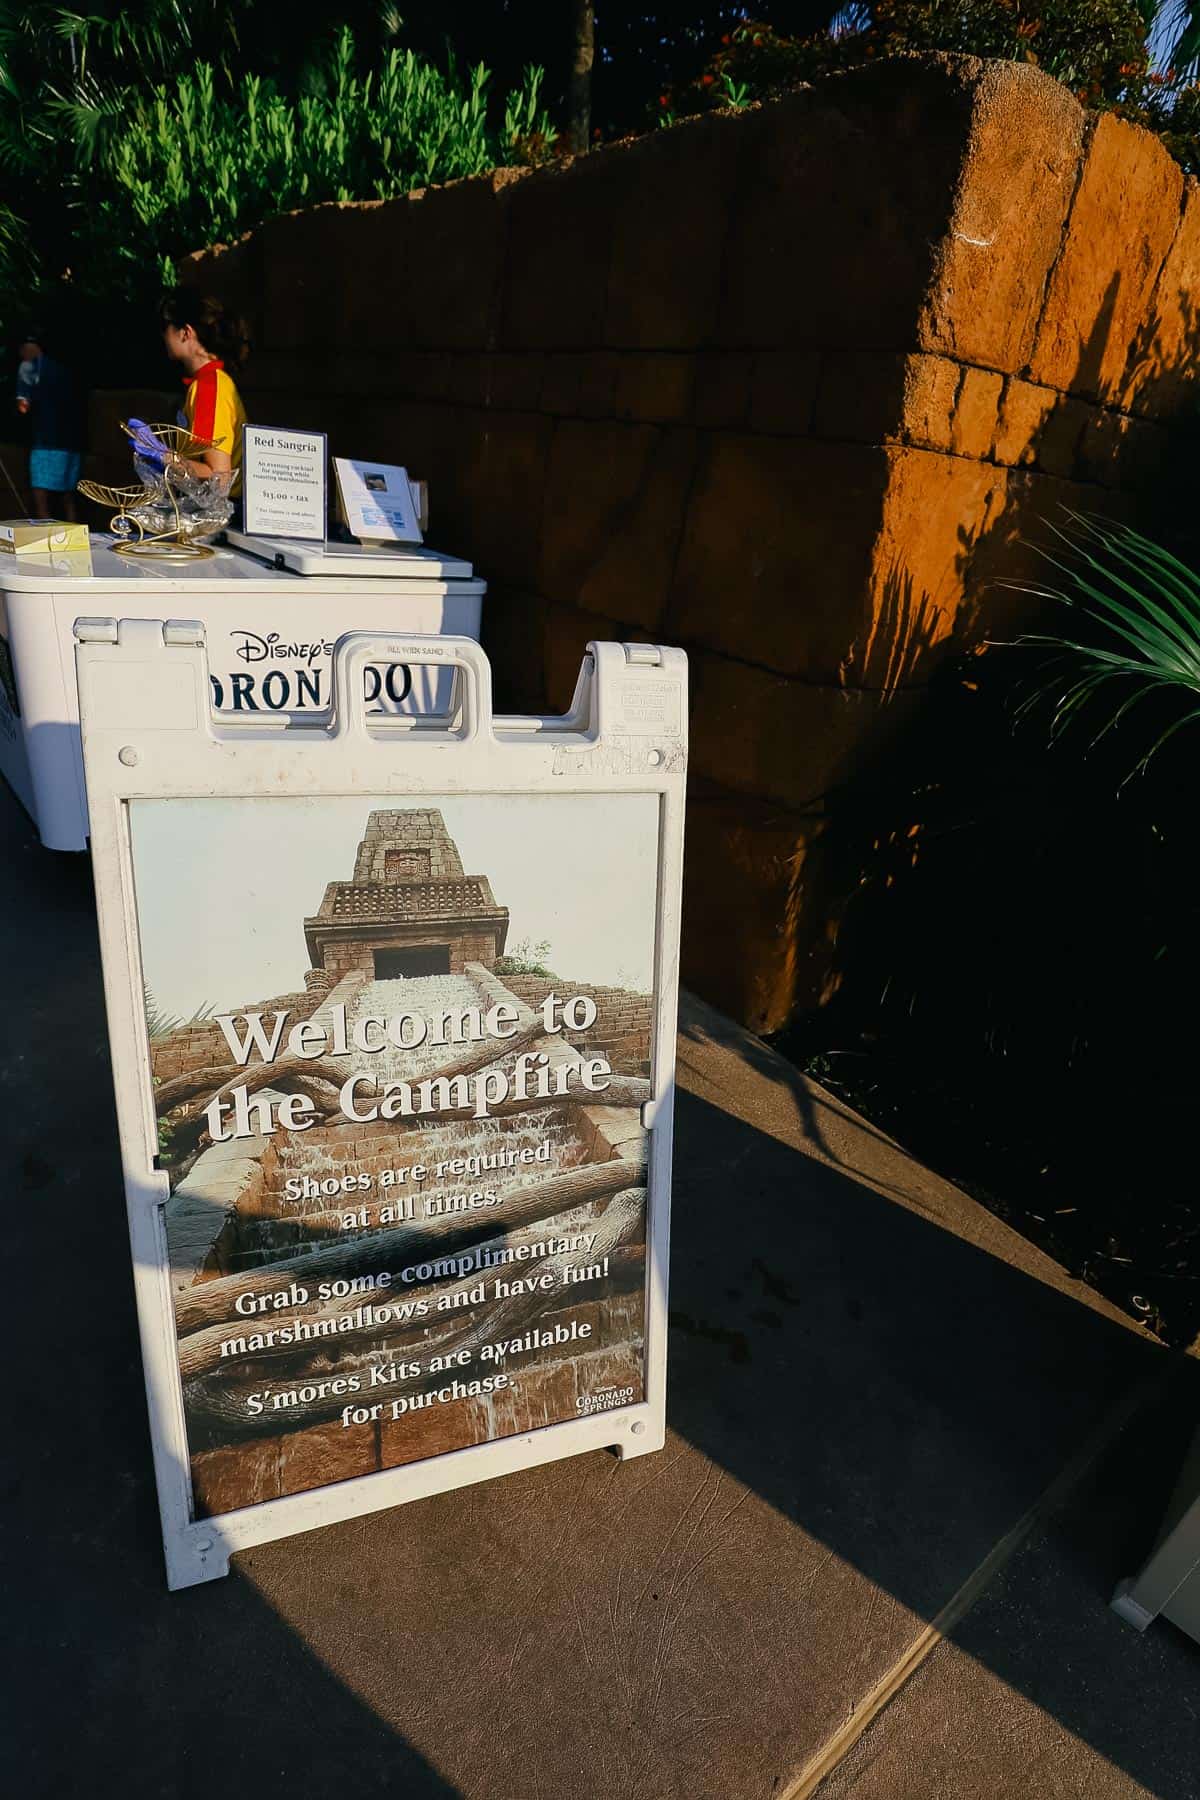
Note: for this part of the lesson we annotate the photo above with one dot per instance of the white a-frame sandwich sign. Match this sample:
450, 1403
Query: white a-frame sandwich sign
392, 1011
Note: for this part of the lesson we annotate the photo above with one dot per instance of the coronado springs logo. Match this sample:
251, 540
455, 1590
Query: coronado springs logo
293, 675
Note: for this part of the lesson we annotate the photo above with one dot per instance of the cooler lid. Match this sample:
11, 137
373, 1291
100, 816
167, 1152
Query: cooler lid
411, 561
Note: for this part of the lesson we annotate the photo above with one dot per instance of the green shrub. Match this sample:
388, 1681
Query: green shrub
755, 62
525, 958
1171, 110
182, 168
1096, 47
185, 162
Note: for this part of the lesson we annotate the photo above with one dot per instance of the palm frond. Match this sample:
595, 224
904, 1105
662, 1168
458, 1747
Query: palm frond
1175, 35
1145, 607
160, 1024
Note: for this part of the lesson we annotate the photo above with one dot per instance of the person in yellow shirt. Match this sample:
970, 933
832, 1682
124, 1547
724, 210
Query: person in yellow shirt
208, 346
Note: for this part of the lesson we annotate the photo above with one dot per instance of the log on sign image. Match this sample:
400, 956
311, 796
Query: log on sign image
399, 1055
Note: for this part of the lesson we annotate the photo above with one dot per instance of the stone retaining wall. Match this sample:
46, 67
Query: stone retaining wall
786, 387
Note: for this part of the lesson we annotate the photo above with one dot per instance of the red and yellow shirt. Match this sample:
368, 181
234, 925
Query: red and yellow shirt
212, 410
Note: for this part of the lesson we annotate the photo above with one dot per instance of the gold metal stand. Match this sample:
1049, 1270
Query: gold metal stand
175, 544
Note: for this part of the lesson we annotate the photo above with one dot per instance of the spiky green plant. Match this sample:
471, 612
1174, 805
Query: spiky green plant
160, 1024
1145, 604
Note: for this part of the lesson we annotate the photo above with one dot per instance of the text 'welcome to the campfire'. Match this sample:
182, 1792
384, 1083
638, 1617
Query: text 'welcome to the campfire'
237, 1112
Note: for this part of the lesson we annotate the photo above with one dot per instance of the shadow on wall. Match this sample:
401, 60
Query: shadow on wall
1121, 454
905, 630
1011, 987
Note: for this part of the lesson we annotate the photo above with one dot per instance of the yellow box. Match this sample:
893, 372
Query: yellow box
57, 535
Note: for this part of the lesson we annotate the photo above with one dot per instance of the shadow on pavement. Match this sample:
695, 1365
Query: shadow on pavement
1042, 1689
118, 1686
862, 1402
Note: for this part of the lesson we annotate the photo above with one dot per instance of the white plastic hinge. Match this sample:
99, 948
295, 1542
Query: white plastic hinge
95, 631
643, 656
649, 1114
186, 632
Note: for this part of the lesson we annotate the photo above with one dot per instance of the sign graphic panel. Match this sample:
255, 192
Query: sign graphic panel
399, 1053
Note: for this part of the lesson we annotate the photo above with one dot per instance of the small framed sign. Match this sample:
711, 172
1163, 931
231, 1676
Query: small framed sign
283, 479
377, 500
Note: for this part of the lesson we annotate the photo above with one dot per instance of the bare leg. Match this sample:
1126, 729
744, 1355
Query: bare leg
41, 503
68, 510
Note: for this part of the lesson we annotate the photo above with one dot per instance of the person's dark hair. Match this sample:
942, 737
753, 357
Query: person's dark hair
220, 332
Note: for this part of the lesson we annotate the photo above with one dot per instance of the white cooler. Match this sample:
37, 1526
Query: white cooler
271, 618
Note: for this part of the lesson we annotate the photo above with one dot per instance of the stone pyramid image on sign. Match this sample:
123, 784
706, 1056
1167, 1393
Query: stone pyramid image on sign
410, 910
408, 1206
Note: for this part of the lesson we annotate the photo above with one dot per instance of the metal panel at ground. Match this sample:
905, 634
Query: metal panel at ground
392, 1011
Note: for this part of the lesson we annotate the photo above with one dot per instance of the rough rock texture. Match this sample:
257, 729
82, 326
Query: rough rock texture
1123, 223
1019, 167
792, 388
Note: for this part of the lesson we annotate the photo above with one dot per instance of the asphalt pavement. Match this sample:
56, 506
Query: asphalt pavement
908, 1461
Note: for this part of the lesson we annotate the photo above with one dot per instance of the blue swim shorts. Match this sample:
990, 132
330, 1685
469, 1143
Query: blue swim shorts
57, 471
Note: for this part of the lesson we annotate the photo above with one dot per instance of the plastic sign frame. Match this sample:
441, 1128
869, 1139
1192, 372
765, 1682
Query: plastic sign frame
393, 520
149, 733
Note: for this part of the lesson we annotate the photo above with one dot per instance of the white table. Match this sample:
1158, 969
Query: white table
270, 633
